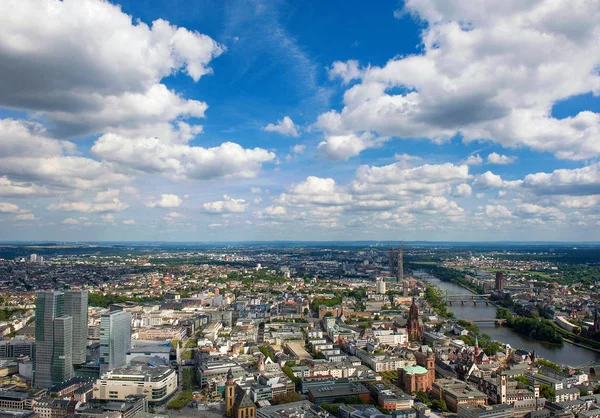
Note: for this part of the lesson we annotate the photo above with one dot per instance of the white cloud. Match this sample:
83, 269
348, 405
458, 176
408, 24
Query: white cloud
108, 218
100, 68
26, 217
488, 180
227, 205
28, 155
315, 191
129, 222
342, 147
347, 71
497, 211
70, 221
285, 127
153, 155
529, 211
462, 190
90, 207
166, 201
576, 182
298, 149
495, 158
474, 160
275, 211
8, 207
506, 86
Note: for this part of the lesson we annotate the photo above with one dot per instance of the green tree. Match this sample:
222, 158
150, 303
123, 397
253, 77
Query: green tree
439, 404
547, 392
422, 397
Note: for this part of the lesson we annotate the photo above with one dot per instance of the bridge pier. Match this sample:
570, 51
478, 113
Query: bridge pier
487, 303
474, 303
450, 302
462, 302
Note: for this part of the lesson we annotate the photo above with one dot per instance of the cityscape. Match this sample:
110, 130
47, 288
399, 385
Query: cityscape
300, 330
299, 209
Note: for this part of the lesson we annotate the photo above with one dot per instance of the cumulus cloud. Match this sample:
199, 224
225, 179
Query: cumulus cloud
128, 222
347, 71
462, 190
166, 201
101, 68
506, 86
70, 221
488, 180
576, 182
153, 155
497, 211
342, 147
26, 217
474, 160
227, 205
285, 127
8, 207
495, 158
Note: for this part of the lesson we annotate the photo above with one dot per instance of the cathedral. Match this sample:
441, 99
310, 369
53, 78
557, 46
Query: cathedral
414, 325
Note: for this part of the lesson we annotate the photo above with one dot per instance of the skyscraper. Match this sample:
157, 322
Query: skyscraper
115, 338
48, 306
499, 280
62, 353
76, 306
55, 335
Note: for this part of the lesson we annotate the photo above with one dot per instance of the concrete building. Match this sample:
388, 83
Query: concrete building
485, 411
155, 383
115, 338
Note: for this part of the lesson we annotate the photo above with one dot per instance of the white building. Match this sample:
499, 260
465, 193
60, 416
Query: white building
155, 383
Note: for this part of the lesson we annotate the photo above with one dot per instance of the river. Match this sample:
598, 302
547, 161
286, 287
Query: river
566, 354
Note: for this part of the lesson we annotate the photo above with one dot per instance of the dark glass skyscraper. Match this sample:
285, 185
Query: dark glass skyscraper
55, 335
76, 306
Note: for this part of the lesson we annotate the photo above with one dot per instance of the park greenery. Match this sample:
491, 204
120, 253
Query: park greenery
181, 400
102, 301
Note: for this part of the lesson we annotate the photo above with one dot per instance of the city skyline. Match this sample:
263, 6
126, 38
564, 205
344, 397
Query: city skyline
269, 121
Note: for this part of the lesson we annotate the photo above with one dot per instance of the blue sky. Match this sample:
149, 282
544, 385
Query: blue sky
279, 120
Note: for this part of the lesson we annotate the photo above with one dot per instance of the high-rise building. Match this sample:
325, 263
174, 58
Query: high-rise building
76, 306
62, 353
499, 280
380, 286
115, 338
48, 307
57, 335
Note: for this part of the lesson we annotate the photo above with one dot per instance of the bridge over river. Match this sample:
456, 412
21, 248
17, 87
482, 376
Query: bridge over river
468, 298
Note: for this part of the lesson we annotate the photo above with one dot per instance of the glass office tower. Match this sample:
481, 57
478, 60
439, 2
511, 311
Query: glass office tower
76, 306
115, 338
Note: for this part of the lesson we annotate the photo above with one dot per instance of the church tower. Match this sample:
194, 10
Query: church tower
415, 329
229, 393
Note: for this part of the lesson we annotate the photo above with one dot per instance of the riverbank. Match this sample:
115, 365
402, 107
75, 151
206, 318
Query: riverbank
567, 353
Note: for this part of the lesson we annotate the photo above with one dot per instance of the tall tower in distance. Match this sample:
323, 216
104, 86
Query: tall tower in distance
76, 306
401, 263
499, 281
393, 262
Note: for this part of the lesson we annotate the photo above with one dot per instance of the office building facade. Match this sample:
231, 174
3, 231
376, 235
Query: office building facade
55, 339
115, 338
76, 306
